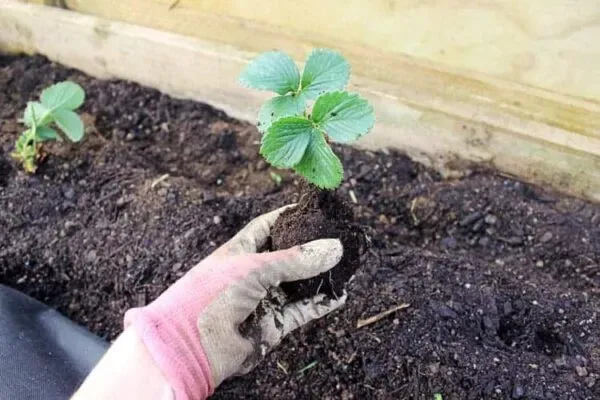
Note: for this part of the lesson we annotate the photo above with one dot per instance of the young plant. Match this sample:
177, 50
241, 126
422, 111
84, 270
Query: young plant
296, 136
54, 110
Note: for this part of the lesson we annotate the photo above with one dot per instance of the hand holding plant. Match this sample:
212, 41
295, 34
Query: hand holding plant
296, 135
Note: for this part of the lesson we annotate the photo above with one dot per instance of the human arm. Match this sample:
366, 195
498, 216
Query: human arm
127, 371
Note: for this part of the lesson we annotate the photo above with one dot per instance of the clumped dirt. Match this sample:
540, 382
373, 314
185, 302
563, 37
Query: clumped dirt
319, 215
502, 279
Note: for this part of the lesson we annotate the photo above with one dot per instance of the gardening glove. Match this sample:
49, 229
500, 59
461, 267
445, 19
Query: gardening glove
192, 329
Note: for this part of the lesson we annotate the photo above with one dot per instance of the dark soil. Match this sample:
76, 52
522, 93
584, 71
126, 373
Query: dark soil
319, 215
503, 279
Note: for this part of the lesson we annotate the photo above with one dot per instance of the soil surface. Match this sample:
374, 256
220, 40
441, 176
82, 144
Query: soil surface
502, 280
320, 215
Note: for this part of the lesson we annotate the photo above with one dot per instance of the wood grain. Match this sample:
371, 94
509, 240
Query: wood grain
551, 44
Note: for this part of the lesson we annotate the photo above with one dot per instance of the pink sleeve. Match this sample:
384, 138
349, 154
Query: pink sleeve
168, 328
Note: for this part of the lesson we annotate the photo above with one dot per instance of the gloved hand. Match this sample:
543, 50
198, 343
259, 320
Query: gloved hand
191, 330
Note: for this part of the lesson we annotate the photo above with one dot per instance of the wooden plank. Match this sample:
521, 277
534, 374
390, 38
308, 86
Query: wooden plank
211, 21
435, 114
53, 3
550, 44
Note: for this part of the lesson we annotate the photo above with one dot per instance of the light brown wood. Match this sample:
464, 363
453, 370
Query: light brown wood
361, 323
551, 44
436, 114
54, 3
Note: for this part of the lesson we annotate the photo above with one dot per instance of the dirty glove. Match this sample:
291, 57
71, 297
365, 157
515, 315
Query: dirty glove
192, 329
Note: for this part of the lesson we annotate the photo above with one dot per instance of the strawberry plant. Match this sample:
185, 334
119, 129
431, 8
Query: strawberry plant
310, 111
55, 110
296, 135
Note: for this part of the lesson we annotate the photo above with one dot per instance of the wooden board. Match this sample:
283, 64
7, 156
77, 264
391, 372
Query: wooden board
551, 44
437, 115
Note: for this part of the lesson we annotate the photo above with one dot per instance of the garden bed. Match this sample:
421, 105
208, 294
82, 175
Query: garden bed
502, 279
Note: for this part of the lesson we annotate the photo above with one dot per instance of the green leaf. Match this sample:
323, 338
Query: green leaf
286, 140
44, 133
279, 107
37, 110
69, 123
66, 94
325, 71
274, 70
343, 116
319, 165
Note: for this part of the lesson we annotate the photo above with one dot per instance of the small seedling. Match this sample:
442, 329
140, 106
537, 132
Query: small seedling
54, 110
294, 137
438, 396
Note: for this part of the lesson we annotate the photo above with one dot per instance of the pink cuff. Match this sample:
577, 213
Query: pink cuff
169, 328
176, 351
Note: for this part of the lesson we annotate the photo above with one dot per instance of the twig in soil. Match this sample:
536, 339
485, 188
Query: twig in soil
353, 196
413, 204
306, 368
371, 320
321, 284
351, 358
413, 209
158, 180
282, 368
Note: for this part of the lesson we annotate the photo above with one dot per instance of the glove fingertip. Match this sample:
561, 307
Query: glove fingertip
327, 252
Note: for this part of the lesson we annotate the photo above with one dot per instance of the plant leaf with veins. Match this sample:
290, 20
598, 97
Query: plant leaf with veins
274, 71
38, 111
319, 165
279, 107
286, 141
325, 71
69, 123
66, 94
291, 140
343, 116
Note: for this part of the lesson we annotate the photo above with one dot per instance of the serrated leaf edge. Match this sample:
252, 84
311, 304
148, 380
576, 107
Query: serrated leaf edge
318, 124
317, 50
339, 167
248, 85
266, 134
